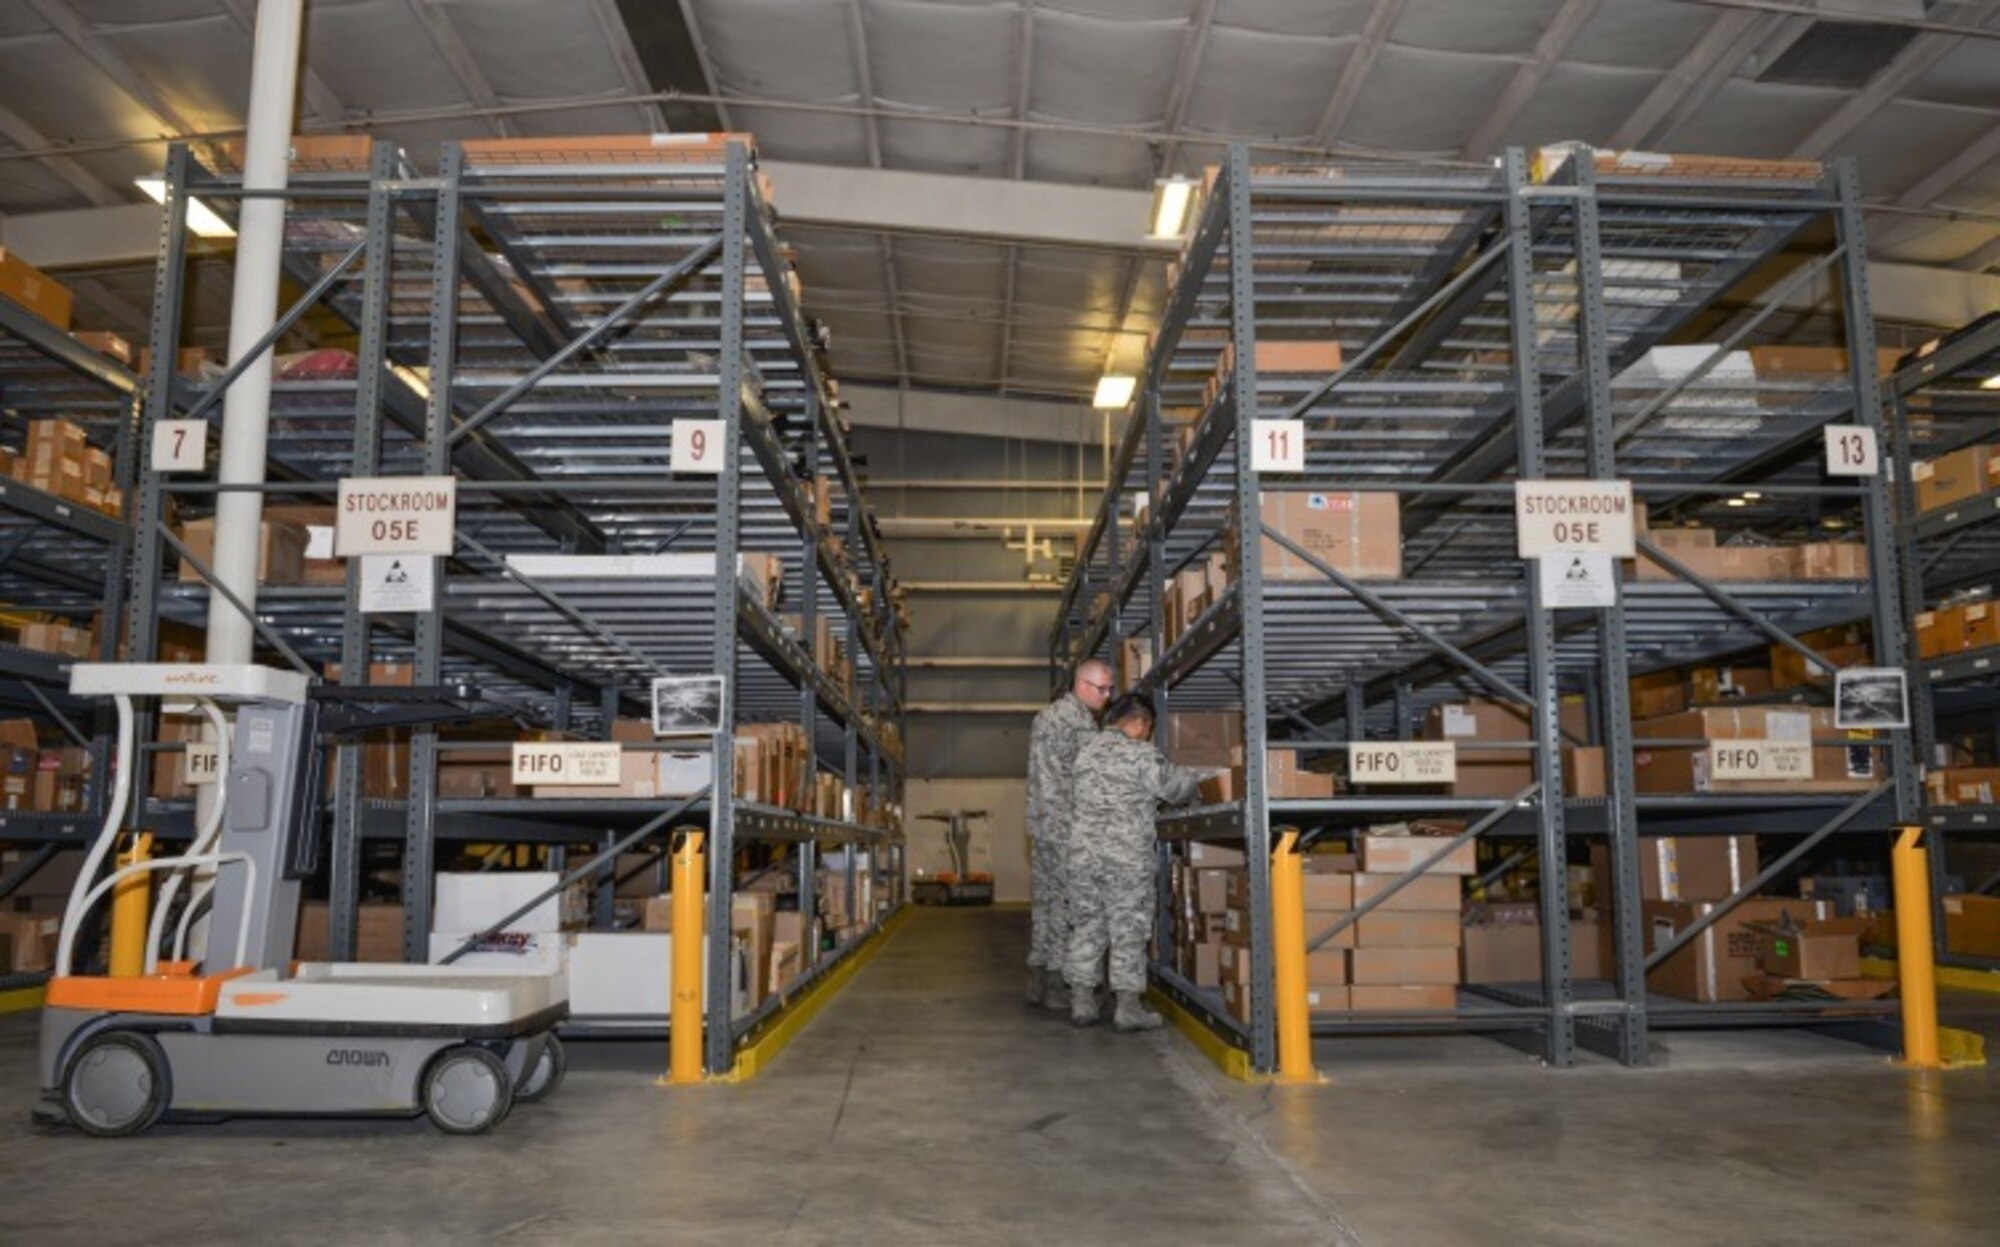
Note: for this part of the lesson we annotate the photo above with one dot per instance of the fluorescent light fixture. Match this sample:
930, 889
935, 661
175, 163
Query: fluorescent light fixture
1113, 392
201, 218
1991, 383
1737, 502
1172, 197
1751, 495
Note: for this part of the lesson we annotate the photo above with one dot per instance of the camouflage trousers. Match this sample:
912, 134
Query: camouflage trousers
1048, 897
1111, 910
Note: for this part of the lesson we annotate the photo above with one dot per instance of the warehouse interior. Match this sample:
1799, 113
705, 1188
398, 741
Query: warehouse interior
1538, 461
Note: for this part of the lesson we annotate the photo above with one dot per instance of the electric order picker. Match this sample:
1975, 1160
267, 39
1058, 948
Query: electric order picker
235, 1028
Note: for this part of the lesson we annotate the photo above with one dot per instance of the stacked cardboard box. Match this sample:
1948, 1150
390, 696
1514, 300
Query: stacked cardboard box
1484, 772
1503, 943
281, 550
1956, 477
1318, 360
1848, 645
319, 566
1357, 534
57, 637
32, 777
771, 764
28, 941
1957, 629
1963, 785
34, 290
1200, 902
1209, 740
1190, 594
1700, 550
378, 932
1823, 953
1852, 765
60, 460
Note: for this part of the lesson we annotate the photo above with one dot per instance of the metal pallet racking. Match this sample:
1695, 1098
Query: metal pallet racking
533, 320
60, 557
1489, 322
1941, 402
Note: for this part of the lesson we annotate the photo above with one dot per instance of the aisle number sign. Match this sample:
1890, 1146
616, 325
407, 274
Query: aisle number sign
1851, 450
1574, 517
1784, 760
698, 447
1279, 446
395, 515
1402, 762
566, 764
180, 446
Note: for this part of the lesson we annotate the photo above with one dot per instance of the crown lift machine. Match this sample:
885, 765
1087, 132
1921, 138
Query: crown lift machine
235, 1028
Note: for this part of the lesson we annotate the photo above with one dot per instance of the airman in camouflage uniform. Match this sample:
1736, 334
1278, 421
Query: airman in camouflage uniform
1120, 781
1059, 730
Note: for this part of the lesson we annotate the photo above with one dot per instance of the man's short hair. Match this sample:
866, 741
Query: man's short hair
1130, 706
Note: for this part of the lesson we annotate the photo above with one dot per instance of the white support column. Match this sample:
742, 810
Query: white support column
260, 237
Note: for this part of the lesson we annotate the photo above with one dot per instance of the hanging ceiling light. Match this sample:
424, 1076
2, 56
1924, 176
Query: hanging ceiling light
1172, 198
1114, 391
202, 219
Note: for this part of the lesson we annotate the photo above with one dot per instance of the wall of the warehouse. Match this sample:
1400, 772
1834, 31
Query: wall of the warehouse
999, 843
976, 624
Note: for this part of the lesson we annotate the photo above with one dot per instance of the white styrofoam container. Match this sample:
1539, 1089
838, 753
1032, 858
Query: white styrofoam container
474, 901
629, 974
684, 773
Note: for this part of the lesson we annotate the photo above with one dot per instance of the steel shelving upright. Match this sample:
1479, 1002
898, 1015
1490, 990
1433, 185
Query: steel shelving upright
1490, 323
536, 320
1943, 401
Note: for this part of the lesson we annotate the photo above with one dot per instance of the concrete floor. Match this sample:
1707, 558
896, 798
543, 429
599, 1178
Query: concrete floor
926, 1105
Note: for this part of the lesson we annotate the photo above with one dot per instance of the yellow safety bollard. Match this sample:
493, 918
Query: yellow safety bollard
131, 906
1288, 961
1915, 966
684, 1032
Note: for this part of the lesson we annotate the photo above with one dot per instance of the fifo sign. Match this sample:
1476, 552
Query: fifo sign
566, 764
1402, 762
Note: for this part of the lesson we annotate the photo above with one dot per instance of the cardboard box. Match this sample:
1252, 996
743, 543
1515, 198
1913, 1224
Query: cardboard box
1583, 771
1955, 477
1325, 892
1426, 891
1972, 925
1320, 921
1381, 967
1210, 891
1828, 949
1781, 362
1357, 534
1319, 358
1393, 855
1327, 968
1720, 685
1226, 786
1658, 693
1511, 952
1833, 560
1964, 785
1713, 967
1411, 928
30, 941
1402, 998
1674, 768
1205, 738
1199, 854
1205, 964
107, 343
1764, 564
1288, 781
34, 290
1844, 646
378, 932
281, 552
1683, 868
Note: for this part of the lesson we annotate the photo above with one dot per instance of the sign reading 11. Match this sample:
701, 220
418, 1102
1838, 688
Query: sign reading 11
1279, 446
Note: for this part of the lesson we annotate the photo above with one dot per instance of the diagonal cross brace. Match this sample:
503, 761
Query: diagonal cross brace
1764, 876
666, 282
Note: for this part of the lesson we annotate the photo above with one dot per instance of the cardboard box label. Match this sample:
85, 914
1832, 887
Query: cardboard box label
1760, 759
566, 763
396, 515
203, 764
1460, 721
1404, 762
1574, 517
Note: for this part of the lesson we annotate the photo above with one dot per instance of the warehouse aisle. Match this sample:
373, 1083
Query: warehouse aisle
925, 1105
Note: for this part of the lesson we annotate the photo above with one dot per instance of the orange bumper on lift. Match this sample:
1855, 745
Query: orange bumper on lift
176, 989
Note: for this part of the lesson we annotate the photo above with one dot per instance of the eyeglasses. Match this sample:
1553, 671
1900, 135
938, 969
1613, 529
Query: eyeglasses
1102, 688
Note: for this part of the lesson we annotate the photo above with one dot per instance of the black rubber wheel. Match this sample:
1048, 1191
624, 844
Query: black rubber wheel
117, 1084
545, 1075
467, 1091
